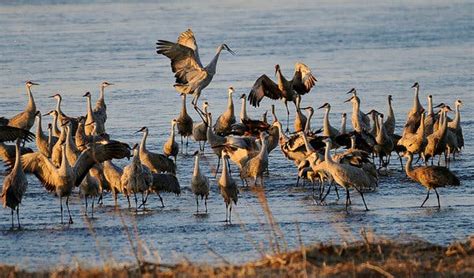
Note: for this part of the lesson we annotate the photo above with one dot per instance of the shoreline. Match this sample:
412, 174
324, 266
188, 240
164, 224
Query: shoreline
372, 258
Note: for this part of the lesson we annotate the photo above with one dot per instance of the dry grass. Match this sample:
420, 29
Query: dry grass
378, 258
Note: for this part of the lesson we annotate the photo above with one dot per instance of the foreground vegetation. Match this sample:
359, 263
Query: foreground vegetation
368, 258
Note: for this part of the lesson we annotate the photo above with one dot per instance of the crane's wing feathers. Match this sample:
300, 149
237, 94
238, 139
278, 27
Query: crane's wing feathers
184, 62
9, 133
96, 154
187, 39
165, 182
303, 80
41, 167
262, 87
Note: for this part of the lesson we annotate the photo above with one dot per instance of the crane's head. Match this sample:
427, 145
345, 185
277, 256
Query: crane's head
231, 90
87, 94
390, 97
50, 126
174, 121
38, 113
53, 113
416, 85
105, 84
374, 112
195, 153
309, 109
441, 105
226, 47
243, 96
205, 105
458, 102
344, 115
30, 83
135, 147
326, 105
350, 99
352, 91
56, 96
277, 68
143, 129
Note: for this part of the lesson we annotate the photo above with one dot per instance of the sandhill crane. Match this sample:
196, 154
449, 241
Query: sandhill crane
310, 111
256, 165
100, 109
430, 118
63, 117
374, 120
328, 130
56, 152
228, 188
199, 183
25, 119
302, 82
184, 123
54, 124
455, 125
300, 118
436, 142
360, 121
224, 122
390, 120
415, 143
63, 179
273, 132
93, 124
384, 143
363, 118
10, 133
200, 129
343, 129
89, 188
164, 182
171, 148
414, 115
346, 175
215, 141
136, 178
191, 76
14, 185
8, 153
113, 174
243, 109
156, 162
431, 177
41, 139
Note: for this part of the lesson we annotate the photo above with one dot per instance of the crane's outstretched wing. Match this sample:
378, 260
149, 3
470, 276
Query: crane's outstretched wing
187, 39
184, 62
9, 133
38, 164
263, 87
96, 154
303, 80
165, 182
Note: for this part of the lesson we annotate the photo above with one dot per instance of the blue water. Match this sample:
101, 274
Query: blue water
378, 48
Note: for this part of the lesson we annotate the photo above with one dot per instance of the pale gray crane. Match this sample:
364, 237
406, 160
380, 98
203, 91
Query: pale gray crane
414, 115
171, 148
100, 109
156, 162
199, 183
93, 125
191, 76
184, 123
63, 117
14, 185
343, 129
363, 118
224, 122
25, 119
390, 120
431, 177
200, 129
228, 188
328, 130
455, 125
215, 141
113, 174
256, 165
63, 179
54, 123
302, 82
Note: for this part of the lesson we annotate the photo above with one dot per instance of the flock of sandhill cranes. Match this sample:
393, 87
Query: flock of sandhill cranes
77, 151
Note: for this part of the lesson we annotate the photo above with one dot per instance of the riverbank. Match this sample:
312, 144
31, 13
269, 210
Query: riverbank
378, 258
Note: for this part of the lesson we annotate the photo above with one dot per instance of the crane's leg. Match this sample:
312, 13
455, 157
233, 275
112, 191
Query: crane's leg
337, 192
230, 213
427, 196
218, 164
181, 143
363, 199
161, 200
347, 198
85, 212
114, 193
205, 203
437, 196
128, 199
136, 201
68, 211
187, 143
18, 216
298, 181
197, 204
226, 210
13, 225
325, 195
92, 212
287, 117
61, 204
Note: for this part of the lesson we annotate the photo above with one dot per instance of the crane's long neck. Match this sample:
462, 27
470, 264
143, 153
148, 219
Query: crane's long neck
430, 106
55, 128
196, 171
211, 67
17, 167
230, 104
421, 128
409, 166
90, 117
143, 143
183, 106
307, 126
281, 135
64, 163
457, 117
327, 157
390, 115
416, 100
308, 146
281, 80
172, 132
39, 128
343, 125
101, 94
380, 129
31, 101
225, 170
375, 121
243, 111
353, 143
58, 106
50, 138
355, 116
326, 124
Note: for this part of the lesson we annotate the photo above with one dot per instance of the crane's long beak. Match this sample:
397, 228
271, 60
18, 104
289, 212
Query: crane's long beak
231, 51
439, 105
33, 83
350, 92
322, 106
348, 100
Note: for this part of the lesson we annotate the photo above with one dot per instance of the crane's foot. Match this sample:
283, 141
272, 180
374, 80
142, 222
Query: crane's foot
70, 220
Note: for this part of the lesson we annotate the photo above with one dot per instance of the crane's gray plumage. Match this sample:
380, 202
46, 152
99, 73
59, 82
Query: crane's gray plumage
156, 162
25, 119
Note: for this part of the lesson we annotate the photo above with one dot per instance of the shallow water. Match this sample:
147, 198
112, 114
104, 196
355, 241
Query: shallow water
378, 48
